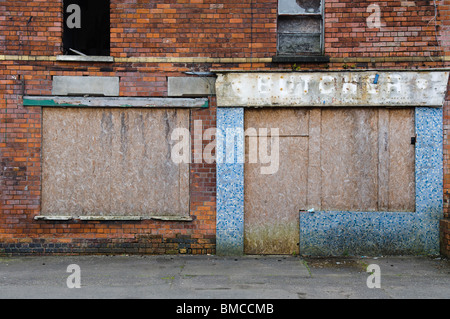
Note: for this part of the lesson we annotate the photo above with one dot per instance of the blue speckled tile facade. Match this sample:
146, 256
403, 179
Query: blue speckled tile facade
328, 233
383, 233
429, 175
429, 162
230, 182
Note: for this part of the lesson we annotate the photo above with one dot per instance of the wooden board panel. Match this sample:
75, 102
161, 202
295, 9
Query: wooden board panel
401, 160
349, 159
290, 122
357, 159
272, 202
383, 160
314, 197
113, 162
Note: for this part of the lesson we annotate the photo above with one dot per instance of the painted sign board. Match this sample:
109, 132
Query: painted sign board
332, 89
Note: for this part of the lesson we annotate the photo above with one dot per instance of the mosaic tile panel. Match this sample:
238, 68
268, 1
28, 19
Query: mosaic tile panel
382, 233
429, 175
230, 182
328, 233
343, 233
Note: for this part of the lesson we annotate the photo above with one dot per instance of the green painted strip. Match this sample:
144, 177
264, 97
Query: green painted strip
82, 102
49, 102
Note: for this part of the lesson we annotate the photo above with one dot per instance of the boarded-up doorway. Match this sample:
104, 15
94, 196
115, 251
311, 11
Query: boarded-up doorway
359, 159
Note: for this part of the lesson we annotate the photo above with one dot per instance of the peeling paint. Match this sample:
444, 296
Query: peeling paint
340, 89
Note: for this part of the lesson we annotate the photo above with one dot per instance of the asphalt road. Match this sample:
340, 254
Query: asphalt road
211, 277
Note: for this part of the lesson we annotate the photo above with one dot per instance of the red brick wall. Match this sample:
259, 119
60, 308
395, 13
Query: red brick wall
405, 30
31, 27
20, 199
174, 28
232, 29
445, 237
444, 25
192, 28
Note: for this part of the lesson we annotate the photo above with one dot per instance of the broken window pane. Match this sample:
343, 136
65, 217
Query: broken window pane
295, 44
86, 27
299, 6
300, 27
299, 24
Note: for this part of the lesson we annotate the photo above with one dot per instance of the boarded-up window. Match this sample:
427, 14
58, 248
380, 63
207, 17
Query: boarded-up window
113, 162
300, 27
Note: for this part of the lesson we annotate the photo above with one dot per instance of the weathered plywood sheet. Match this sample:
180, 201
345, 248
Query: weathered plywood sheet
290, 122
272, 201
367, 160
383, 160
358, 160
349, 158
112, 162
70, 165
401, 160
314, 198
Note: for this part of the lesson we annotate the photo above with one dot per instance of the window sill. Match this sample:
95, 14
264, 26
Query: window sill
301, 59
54, 218
115, 218
79, 58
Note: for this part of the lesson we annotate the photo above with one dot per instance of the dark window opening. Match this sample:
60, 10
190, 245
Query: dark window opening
86, 27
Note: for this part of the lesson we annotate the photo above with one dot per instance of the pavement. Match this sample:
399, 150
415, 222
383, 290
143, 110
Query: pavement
212, 277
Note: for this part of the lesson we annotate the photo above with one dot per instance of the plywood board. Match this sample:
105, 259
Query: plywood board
401, 160
383, 159
349, 158
112, 162
272, 202
290, 122
314, 198
357, 160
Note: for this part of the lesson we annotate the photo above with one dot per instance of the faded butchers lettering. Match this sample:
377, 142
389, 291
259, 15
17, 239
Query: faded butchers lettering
332, 89
326, 85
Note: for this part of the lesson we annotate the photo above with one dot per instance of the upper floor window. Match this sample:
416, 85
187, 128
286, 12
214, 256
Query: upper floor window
300, 27
86, 27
